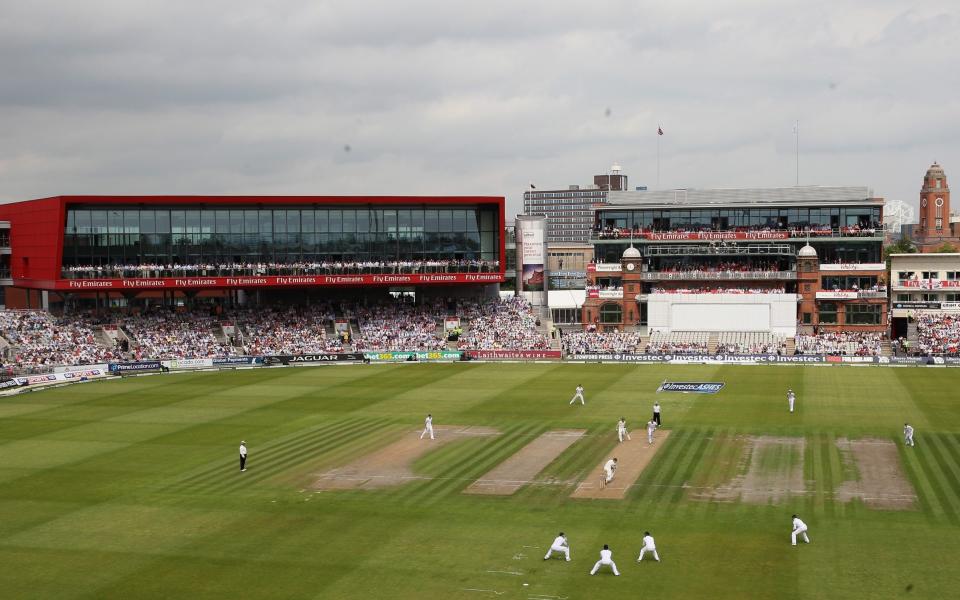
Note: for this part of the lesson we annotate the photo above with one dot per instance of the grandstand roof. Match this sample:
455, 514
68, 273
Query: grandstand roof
723, 198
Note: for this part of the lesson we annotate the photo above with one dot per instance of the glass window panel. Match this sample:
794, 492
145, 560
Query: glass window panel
390, 221
363, 220
251, 221
473, 220
279, 221
306, 221
432, 220
83, 221
178, 221
163, 221
322, 222
349, 220
131, 221
98, 221
193, 221
293, 221
236, 223
335, 221
446, 220
115, 221
207, 222
71, 222
223, 221
416, 219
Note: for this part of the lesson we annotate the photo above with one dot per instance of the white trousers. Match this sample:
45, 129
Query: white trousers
576, 396
561, 549
644, 550
612, 564
790, 400
623, 433
649, 437
799, 531
908, 440
426, 430
608, 476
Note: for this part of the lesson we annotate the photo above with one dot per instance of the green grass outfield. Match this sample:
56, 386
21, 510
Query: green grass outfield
130, 489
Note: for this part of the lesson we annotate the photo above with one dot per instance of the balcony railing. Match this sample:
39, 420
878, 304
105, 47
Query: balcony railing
641, 235
719, 275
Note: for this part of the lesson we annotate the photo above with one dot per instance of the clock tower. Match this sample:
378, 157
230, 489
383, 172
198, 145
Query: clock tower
934, 205
935, 228
631, 262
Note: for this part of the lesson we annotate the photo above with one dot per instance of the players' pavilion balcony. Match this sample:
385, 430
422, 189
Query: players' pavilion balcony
720, 276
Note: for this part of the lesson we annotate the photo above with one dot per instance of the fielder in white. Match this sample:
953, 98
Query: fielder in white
791, 398
578, 395
606, 558
622, 429
651, 427
560, 545
608, 470
908, 434
427, 427
648, 546
799, 528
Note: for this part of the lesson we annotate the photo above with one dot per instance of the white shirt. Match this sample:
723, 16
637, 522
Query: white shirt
559, 542
651, 427
579, 389
798, 524
908, 431
428, 422
243, 450
656, 408
648, 542
610, 466
621, 425
606, 556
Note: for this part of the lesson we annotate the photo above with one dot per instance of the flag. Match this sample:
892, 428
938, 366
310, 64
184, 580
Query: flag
532, 187
659, 130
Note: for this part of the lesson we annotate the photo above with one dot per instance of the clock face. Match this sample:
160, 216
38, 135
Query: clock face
939, 201
631, 266
923, 203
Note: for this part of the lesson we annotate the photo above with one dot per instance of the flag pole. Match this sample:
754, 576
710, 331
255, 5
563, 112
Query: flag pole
658, 155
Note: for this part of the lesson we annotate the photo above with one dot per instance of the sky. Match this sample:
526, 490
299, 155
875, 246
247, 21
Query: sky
454, 98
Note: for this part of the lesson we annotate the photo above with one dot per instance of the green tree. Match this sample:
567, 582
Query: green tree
945, 248
901, 246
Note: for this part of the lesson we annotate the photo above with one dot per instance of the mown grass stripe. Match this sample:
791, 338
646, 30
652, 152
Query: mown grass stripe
457, 481
463, 463
833, 473
276, 446
926, 492
656, 473
668, 477
685, 474
813, 472
938, 479
948, 471
267, 458
311, 449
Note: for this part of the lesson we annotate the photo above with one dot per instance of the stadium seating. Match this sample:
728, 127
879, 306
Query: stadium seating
619, 342
845, 343
750, 342
502, 324
38, 339
937, 333
678, 342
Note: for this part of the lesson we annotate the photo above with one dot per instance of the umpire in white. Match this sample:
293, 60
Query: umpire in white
243, 455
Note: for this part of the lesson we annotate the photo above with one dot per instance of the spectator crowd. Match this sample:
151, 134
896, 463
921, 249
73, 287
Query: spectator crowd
842, 343
233, 269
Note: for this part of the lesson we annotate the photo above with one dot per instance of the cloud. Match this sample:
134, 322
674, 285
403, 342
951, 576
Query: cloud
445, 98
